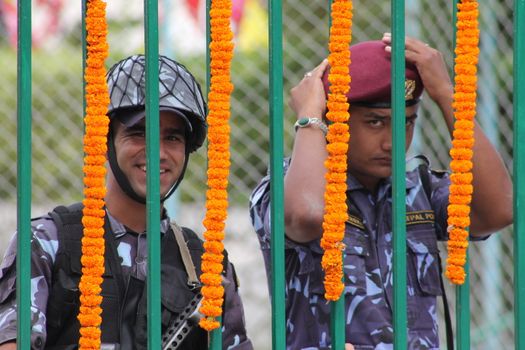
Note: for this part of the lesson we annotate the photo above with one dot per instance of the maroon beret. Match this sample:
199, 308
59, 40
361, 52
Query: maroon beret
370, 72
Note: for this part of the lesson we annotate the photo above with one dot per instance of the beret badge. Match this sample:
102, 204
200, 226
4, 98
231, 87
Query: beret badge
410, 87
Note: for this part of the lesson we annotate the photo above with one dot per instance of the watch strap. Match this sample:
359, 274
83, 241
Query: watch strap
307, 122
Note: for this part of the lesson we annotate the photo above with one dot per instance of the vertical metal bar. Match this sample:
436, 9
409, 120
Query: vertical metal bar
398, 174
337, 308
519, 170
463, 311
462, 291
276, 173
337, 323
208, 40
24, 103
84, 55
152, 174
216, 336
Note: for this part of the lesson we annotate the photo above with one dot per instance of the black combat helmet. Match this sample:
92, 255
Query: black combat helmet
179, 93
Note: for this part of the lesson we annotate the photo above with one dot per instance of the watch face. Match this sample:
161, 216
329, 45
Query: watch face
303, 122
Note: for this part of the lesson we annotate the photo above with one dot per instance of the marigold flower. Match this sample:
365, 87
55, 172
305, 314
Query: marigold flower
464, 105
335, 213
221, 53
95, 138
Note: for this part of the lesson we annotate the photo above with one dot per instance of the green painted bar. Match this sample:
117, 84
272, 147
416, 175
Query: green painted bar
462, 292
208, 39
277, 174
84, 55
519, 170
337, 323
398, 174
463, 312
24, 103
151, 36
216, 337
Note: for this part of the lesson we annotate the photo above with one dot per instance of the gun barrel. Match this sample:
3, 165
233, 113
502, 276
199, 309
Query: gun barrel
181, 327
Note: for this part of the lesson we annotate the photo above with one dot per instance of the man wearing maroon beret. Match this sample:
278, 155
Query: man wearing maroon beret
368, 232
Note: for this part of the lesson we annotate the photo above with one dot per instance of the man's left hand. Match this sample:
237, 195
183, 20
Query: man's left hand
431, 67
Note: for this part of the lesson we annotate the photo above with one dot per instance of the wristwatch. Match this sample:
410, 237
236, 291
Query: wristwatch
308, 122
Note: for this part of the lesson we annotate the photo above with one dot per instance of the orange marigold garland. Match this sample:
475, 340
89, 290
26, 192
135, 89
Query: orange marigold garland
221, 53
96, 122
467, 52
335, 214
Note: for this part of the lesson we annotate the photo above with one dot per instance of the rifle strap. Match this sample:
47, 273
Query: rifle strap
193, 280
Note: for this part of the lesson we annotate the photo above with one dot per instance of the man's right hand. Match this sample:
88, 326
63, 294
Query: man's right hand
304, 183
308, 97
349, 346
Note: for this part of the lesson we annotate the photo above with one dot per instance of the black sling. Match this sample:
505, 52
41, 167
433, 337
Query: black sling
423, 170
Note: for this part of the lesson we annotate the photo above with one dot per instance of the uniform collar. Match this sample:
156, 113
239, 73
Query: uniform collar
384, 185
119, 229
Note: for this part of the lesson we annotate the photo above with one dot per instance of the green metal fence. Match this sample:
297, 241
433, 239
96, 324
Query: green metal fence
519, 168
24, 178
23, 261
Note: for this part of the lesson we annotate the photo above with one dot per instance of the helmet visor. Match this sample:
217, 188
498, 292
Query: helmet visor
132, 117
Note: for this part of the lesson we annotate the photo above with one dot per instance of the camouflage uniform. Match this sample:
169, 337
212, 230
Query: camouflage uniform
367, 267
132, 249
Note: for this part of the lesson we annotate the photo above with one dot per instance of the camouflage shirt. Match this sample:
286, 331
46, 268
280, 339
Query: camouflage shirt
132, 249
367, 267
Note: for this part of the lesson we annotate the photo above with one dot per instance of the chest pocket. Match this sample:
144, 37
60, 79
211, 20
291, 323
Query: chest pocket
423, 262
354, 264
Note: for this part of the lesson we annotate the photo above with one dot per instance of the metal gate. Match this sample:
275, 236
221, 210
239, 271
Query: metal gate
24, 170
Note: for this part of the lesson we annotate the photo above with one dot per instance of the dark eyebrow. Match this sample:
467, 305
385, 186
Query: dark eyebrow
376, 116
142, 128
135, 128
373, 115
179, 131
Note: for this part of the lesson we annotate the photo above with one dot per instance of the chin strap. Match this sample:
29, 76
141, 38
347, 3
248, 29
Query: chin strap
123, 180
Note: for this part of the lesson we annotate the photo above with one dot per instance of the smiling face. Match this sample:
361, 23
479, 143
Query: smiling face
370, 147
130, 149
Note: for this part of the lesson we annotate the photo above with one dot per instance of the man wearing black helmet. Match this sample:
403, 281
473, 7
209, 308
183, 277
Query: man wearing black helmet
56, 266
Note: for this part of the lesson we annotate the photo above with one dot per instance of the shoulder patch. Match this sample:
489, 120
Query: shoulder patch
420, 217
355, 221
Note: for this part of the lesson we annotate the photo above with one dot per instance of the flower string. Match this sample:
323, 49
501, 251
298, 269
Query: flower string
221, 53
335, 213
96, 124
467, 52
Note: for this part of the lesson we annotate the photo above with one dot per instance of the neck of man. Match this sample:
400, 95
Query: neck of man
126, 210
368, 182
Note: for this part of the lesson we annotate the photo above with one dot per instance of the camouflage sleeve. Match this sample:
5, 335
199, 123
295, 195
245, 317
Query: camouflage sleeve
234, 329
439, 201
43, 251
260, 209
260, 216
